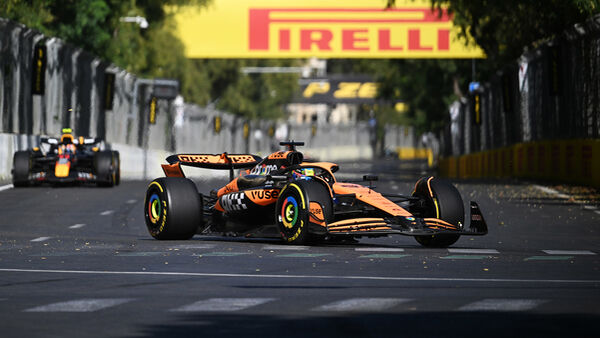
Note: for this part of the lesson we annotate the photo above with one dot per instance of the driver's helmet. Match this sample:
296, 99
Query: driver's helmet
67, 136
303, 172
308, 171
66, 142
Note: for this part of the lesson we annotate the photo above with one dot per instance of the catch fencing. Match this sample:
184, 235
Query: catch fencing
47, 84
552, 92
538, 117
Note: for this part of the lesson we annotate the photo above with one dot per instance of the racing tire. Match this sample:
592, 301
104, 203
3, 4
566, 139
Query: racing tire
104, 168
117, 167
173, 208
445, 204
22, 162
293, 211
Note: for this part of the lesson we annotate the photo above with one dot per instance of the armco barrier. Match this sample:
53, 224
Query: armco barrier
416, 153
566, 161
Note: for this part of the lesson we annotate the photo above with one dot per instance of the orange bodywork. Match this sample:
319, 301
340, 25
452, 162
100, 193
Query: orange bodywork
62, 169
218, 206
325, 165
172, 170
358, 224
230, 187
262, 196
216, 159
316, 214
370, 197
278, 155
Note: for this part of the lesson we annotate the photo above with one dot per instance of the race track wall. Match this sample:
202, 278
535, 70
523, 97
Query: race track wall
47, 84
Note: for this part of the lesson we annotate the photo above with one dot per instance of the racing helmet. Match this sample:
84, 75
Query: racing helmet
67, 136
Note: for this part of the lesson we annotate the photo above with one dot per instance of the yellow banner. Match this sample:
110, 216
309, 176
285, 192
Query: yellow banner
320, 28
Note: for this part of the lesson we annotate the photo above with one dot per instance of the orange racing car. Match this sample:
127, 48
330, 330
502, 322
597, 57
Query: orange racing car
302, 202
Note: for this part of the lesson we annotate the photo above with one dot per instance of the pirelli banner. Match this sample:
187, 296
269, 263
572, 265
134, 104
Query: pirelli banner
320, 28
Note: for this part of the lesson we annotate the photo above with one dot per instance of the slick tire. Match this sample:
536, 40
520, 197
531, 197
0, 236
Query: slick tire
173, 208
104, 168
22, 162
117, 167
293, 211
446, 204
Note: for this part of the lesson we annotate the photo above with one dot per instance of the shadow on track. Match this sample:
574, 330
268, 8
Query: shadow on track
432, 324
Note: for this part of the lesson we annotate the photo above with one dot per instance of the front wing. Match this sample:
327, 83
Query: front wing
410, 226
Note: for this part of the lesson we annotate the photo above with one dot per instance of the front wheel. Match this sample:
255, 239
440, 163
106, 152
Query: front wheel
104, 168
173, 208
440, 199
21, 168
302, 211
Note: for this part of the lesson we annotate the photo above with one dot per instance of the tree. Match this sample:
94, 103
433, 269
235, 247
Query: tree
503, 29
96, 26
249, 95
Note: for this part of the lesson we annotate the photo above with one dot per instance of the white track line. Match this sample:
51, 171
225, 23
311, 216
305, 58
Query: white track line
285, 247
492, 304
192, 246
80, 305
40, 239
474, 251
6, 187
107, 212
77, 226
380, 249
267, 276
569, 252
362, 304
131, 201
222, 304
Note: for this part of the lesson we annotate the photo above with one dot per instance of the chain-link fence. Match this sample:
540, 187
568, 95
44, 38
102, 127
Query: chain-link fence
551, 93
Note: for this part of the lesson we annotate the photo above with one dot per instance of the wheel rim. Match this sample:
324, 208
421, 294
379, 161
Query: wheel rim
154, 209
289, 212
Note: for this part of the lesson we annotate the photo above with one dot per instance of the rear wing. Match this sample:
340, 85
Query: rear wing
222, 161
78, 140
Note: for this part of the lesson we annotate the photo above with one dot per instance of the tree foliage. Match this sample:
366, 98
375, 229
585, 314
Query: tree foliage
503, 29
96, 26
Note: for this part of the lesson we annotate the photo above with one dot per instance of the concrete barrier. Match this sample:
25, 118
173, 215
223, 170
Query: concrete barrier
144, 164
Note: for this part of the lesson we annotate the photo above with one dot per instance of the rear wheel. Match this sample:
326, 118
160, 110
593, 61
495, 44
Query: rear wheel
302, 210
173, 208
22, 161
440, 200
117, 167
104, 167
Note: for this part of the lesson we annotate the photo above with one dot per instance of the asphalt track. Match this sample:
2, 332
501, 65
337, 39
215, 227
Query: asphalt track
78, 262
